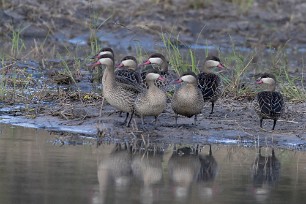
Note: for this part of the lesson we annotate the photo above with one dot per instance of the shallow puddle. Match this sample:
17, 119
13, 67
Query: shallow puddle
35, 168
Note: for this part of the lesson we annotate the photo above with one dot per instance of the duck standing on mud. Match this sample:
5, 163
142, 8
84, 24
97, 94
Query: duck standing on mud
268, 104
187, 100
210, 83
127, 70
120, 94
152, 101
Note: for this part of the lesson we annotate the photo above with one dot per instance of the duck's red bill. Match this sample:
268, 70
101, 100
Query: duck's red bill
96, 57
93, 65
119, 65
178, 81
146, 62
161, 78
221, 66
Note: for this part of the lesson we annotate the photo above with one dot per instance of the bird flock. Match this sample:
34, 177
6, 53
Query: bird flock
141, 89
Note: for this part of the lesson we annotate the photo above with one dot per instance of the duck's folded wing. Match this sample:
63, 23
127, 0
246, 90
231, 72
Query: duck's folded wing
131, 75
277, 103
270, 103
208, 83
129, 85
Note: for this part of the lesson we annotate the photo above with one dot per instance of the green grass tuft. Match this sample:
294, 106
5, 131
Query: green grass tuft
175, 56
239, 65
17, 44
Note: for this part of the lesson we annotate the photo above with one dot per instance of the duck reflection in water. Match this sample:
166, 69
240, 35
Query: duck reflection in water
265, 173
147, 168
115, 170
186, 166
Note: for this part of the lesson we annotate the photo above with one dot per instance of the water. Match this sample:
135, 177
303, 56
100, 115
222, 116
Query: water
34, 169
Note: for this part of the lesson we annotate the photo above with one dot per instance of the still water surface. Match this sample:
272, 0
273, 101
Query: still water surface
35, 170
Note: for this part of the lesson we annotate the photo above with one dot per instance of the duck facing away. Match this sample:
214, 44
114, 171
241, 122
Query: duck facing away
152, 101
268, 104
187, 100
156, 63
119, 94
209, 82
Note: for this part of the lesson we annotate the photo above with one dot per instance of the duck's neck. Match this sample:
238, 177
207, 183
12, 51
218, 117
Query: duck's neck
206, 69
151, 84
190, 85
132, 68
164, 67
152, 91
108, 78
271, 87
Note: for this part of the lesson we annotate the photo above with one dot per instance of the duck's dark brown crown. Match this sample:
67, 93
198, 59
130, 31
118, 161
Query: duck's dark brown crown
158, 55
267, 75
106, 56
107, 49
213, 58
129, 58
189, 73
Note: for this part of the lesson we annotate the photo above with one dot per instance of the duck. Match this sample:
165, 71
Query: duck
187, 100
152, 101
209, 82
268, 104
156, 63
127, 69
120, 94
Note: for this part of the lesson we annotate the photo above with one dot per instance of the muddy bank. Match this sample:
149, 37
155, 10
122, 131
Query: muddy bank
233, 122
